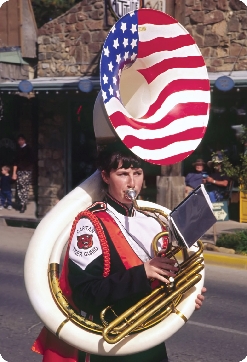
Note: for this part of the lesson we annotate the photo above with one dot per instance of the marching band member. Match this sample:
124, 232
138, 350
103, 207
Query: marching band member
109, 259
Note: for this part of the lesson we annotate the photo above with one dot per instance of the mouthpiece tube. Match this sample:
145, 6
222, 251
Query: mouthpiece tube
131, 194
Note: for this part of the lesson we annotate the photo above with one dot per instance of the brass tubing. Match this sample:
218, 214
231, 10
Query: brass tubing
197, 269
162, 314
179, 280
181, 315
131, 310
190, 265
152, 210
64, 306
181, 290
155, 241
148, 324
61, 326
189, 268
138, 313
173, 252
147, 312
154, 320
193, 256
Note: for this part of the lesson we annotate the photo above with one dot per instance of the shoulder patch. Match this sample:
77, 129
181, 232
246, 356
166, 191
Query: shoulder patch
97, 206
85, 246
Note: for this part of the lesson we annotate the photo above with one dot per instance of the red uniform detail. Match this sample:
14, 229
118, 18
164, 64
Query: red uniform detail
126, 253
51, 347
84, 241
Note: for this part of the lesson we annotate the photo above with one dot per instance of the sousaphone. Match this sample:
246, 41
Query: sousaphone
155, 97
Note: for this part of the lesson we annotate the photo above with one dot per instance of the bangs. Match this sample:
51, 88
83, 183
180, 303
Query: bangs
128, 162
117, 155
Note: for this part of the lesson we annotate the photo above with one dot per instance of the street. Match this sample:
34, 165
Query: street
217, 332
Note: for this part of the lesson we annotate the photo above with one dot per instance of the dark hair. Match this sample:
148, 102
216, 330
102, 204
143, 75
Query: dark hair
21, 135
110, 157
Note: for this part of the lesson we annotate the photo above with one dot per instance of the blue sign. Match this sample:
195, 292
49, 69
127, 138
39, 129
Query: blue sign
224, 83
85, 85
25, 86
220, 210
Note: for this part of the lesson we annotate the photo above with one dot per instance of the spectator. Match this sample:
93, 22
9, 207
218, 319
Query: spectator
22, 171
216, 182
5, 185
196, 178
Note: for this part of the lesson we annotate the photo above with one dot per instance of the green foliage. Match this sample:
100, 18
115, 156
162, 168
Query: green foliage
243, 136
46, 10
237, 172
236, 241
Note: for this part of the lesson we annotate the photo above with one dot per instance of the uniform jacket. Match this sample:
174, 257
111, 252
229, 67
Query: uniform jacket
112, 274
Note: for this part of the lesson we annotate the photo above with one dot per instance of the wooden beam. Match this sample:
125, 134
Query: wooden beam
172, 170
13, 23
170, 7
170, 191
180, 11
9, 24
3, 25
28, 30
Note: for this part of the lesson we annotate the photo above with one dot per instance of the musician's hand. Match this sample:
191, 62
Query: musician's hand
200, 299
160, 268
162, 252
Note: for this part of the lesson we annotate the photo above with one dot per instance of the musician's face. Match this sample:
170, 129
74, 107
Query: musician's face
121, 180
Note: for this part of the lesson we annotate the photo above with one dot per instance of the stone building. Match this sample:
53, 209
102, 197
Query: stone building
69, 50
220, 30
70, 45
67, 83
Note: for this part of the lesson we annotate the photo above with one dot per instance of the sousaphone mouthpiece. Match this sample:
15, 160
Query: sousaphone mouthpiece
131, 194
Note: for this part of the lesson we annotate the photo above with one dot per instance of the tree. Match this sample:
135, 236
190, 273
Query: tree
46, 10
237, 172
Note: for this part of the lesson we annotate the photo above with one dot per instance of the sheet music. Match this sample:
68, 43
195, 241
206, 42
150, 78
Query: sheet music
192, 217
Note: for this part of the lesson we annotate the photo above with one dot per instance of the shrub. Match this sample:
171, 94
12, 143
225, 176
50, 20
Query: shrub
236, 241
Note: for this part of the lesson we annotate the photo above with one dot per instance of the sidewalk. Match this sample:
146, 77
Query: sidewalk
219, 258
14, 239
223, 227
29, 214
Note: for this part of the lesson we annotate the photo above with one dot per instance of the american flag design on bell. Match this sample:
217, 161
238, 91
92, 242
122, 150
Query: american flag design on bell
155, 86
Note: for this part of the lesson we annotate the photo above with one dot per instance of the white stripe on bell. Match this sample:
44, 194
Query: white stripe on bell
172, 150
177, 126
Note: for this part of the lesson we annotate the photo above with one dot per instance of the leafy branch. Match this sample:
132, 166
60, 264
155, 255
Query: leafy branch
46, 10
237, 172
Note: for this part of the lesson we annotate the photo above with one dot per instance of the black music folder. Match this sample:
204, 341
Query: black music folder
192, 217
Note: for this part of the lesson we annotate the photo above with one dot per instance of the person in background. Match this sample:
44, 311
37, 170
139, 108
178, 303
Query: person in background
5, 185
22, 171
195, 179
216, 183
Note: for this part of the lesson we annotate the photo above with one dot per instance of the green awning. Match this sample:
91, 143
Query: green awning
13, 57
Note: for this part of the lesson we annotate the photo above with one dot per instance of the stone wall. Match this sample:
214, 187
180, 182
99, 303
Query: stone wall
50, 154
70, 45
219, 28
